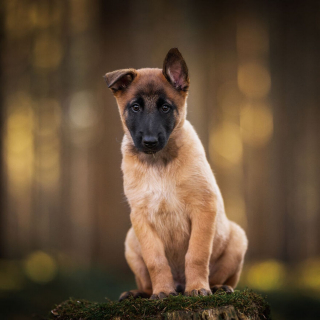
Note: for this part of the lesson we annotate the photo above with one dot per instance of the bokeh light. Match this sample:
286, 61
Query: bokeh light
81, 110
83, 118
225, 140
43, 15
256, 123
309, 275
19, 139
254, 79
40, 267
266, 275
236, 209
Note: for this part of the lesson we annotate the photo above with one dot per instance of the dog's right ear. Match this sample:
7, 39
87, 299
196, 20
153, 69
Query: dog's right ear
120, 79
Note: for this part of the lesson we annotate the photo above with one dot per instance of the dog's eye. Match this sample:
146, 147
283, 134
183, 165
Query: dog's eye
135, 108
165, 108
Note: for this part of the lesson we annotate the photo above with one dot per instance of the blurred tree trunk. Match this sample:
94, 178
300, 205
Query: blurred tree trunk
2, 198
295, 173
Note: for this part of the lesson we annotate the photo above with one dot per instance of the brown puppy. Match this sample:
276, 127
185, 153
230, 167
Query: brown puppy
181, 239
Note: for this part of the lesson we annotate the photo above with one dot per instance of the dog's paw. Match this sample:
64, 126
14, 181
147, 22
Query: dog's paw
133, 293
200, 292
221, 287
162, 295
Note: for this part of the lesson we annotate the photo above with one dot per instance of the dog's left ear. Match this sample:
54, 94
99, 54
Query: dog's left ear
120, 79
175, 70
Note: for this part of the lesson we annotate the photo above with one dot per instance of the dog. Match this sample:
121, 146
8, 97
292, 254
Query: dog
181, 240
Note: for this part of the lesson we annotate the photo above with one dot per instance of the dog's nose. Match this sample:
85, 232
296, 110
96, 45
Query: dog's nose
150, 142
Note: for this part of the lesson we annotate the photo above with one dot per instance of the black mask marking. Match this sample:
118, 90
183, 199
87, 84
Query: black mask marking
150, 119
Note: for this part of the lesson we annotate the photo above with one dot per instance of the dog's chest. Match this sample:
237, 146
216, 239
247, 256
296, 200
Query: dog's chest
168, 215
159, 194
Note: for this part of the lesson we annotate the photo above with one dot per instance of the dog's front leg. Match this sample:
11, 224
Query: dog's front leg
199, 252
153, 255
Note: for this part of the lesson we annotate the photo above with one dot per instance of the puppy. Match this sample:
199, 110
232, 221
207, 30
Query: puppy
181, 239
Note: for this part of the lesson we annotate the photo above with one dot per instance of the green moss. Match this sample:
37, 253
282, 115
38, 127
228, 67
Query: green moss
247, 302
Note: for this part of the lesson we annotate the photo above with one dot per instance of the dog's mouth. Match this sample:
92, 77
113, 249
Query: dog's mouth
150, 151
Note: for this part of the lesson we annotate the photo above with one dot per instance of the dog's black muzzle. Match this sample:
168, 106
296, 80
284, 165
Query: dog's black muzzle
150, 144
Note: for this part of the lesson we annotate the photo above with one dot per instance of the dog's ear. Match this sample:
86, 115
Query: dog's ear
175, 70
120, 79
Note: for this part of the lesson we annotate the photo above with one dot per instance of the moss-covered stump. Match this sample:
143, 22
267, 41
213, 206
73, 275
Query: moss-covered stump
240, 305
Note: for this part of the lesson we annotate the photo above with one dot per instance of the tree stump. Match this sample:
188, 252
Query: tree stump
225, 313
240, 305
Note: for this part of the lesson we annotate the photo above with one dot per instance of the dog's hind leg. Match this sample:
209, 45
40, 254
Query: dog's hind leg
225, 272
138, 267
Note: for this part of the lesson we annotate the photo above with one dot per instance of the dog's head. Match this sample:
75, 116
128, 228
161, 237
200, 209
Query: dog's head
152, 102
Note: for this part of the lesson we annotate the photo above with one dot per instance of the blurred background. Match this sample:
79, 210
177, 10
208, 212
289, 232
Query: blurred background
254, 101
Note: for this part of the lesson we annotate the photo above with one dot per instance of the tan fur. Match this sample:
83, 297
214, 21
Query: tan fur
180, 233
